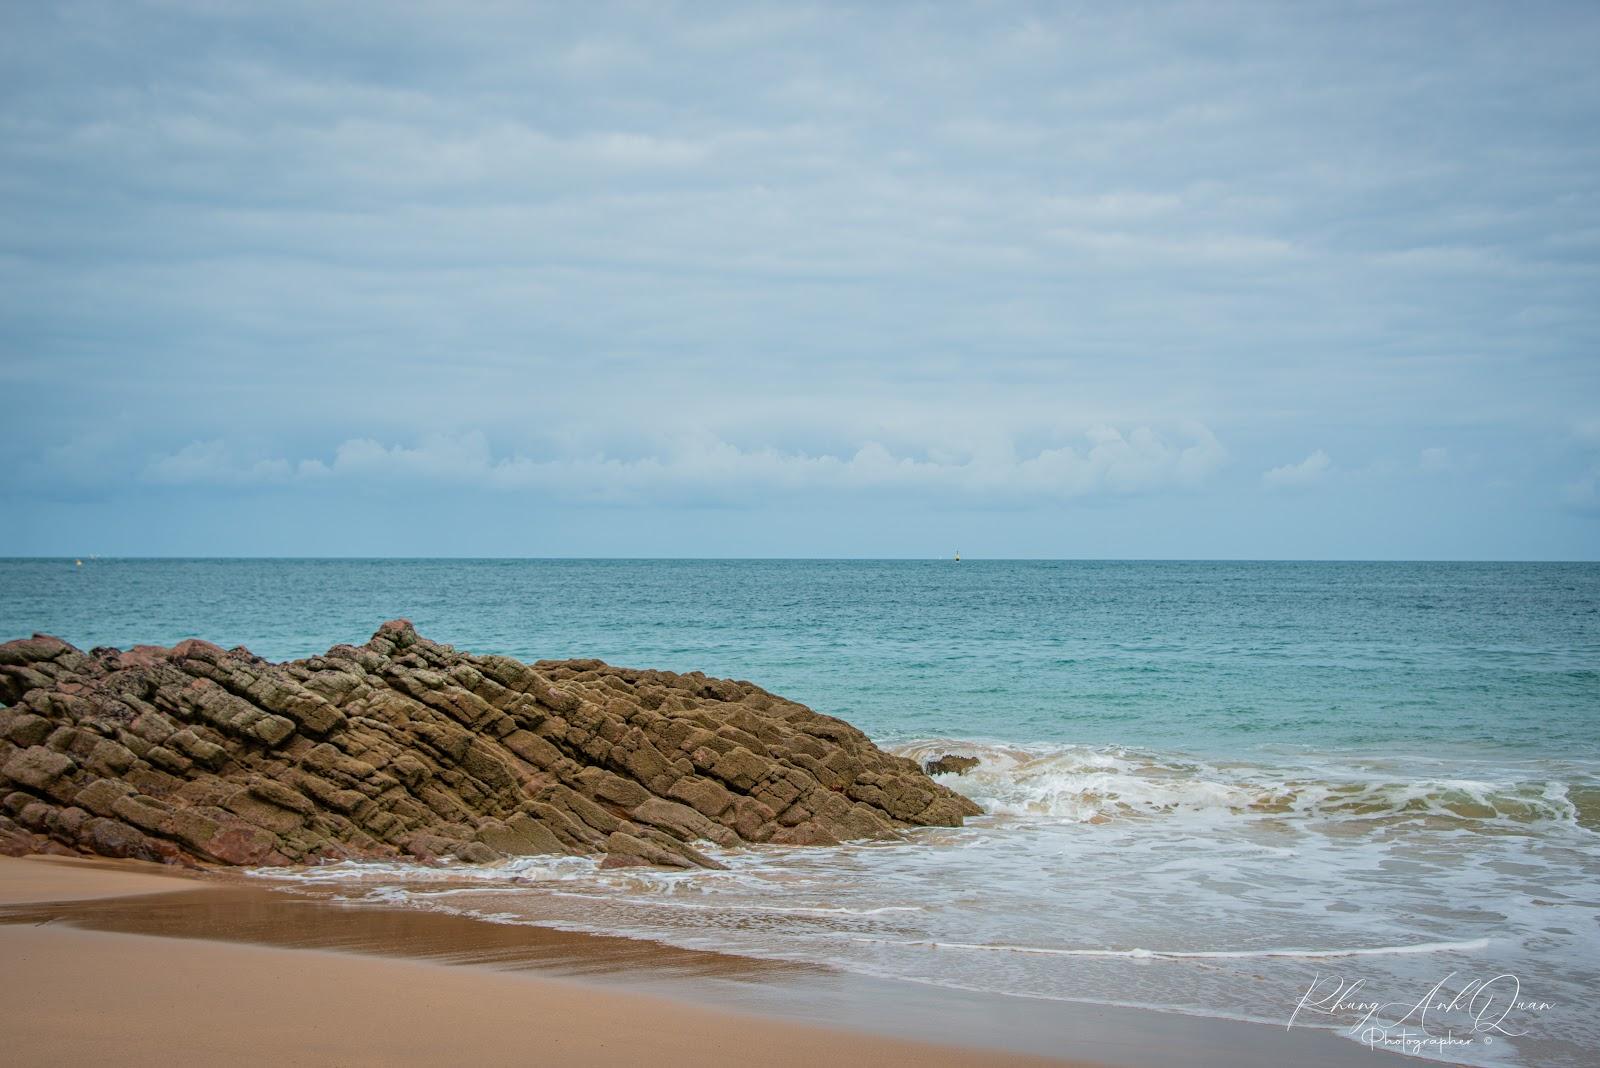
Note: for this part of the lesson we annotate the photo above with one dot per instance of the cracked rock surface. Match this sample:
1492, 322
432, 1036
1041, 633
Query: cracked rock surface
406, 747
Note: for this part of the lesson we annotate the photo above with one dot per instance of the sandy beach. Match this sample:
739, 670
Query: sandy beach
133, 962
80, 996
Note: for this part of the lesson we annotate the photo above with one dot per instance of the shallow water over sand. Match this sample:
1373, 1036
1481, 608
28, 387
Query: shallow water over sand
1115, 876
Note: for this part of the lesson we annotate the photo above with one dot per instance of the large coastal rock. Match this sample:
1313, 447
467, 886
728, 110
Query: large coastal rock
403, 746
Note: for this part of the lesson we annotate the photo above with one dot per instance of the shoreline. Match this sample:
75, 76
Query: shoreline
91, 930
82, 992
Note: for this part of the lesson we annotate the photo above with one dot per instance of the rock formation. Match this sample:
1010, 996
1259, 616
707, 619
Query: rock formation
950, 764
406, 747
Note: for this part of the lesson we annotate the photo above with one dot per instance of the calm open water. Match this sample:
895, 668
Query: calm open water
1209, 785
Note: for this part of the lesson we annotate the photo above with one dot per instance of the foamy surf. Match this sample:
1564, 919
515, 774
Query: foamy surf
1117, 875
1215, 954
1095, 784
779, 910
515, 870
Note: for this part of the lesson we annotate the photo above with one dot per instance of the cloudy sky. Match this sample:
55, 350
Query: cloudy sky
883, 279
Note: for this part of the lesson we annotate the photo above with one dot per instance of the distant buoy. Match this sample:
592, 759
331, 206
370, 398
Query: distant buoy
78, 562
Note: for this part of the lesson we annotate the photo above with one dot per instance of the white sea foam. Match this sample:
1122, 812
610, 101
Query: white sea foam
1073, 783
397, 893
514, 870
1212, 954
731, 906
1119, 876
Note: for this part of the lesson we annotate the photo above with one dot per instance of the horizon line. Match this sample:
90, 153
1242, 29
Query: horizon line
814, 559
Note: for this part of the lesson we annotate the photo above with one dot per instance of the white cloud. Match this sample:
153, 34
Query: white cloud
211, 462
1106, 461
1307, 472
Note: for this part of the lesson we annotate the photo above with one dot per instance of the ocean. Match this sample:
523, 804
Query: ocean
1233, 789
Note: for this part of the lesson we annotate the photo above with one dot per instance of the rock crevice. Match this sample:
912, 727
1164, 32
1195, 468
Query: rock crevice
406, 747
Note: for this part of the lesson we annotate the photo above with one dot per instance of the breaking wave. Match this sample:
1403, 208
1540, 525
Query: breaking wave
1088, 784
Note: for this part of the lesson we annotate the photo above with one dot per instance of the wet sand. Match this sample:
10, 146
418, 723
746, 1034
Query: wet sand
81, 994
43, 879
116, 960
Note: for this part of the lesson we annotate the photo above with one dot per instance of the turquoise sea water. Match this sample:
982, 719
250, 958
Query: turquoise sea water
1209, 656
1208, 785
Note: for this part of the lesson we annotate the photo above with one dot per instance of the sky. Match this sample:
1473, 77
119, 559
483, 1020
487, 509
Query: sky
1182, 280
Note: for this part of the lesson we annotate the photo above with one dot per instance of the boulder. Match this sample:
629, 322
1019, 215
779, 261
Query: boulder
950, 764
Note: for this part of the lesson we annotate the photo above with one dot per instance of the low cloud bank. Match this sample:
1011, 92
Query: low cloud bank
1104, 461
